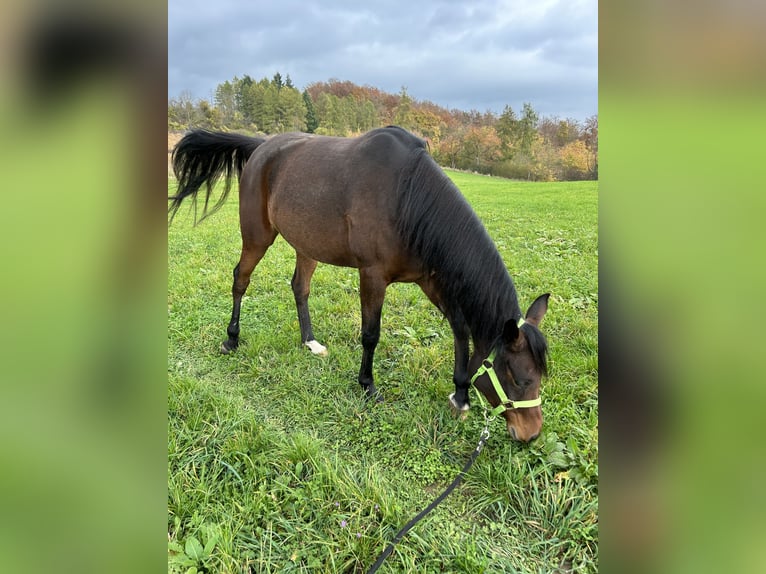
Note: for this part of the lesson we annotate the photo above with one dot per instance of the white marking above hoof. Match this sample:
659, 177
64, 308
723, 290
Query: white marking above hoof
316, 348
464, 408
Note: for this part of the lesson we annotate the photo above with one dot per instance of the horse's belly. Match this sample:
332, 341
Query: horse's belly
345, 241
322, 242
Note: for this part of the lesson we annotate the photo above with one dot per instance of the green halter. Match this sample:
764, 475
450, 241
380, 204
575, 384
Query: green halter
487, 366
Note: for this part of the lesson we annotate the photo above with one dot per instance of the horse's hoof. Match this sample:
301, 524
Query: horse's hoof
316, 348
226, 349
375, 398
372, 395
461, 411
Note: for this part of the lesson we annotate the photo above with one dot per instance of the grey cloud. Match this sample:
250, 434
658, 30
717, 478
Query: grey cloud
455, 53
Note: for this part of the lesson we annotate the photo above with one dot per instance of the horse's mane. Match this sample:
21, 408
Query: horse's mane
440, 227
538, 346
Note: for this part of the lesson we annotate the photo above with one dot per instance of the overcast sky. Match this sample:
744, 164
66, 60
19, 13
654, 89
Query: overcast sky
480, 54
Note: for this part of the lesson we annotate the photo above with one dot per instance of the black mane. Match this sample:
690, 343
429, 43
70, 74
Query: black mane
538, 346
440, 227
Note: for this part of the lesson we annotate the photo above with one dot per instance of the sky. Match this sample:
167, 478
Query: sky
459, 54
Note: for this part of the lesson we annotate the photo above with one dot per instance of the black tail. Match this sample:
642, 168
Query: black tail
202, 157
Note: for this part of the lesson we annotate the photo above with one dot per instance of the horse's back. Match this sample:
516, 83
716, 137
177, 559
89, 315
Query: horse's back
333, 199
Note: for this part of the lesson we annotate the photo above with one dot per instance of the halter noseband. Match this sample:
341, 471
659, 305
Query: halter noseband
487, 366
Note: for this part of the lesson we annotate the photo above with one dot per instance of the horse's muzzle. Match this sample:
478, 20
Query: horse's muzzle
521, 437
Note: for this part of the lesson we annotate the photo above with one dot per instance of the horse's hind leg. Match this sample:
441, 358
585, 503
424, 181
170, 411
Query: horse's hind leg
301, 283
251, 255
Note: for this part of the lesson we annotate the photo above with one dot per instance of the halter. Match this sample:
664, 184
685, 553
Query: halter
487, 366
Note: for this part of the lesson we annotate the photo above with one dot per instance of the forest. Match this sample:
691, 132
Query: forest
516, 144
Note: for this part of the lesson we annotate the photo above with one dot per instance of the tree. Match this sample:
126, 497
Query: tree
244, 98
575, 161
209, 116
481, 148
428, 125
367, 117
268, 116
449, 148
567, 132
403, 116
590, 137
517, 134
527, 129
329, 115
506, 127
291, 111
225, 101
312, 123
181, 111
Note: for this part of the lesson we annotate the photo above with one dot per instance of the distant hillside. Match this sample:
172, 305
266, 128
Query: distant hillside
516, 143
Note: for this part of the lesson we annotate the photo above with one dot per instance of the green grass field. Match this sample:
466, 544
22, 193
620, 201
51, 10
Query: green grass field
275, 462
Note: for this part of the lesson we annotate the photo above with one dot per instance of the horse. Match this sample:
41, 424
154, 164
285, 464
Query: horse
381, 204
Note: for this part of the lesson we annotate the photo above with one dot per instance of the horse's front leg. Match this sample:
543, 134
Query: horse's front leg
372, 291
460, 377
458, 399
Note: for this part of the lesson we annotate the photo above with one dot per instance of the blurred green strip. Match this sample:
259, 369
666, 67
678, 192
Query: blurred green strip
682, 243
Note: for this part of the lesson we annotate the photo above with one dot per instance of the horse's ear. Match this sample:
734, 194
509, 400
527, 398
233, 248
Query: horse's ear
537, 310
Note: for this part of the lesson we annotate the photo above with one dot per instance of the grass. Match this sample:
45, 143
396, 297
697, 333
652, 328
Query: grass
276, 464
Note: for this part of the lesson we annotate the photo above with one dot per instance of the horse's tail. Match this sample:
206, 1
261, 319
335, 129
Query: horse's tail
201, 158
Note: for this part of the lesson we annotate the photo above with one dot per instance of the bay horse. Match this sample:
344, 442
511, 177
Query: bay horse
378, 203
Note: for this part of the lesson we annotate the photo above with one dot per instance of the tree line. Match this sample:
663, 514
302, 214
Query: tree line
517, 144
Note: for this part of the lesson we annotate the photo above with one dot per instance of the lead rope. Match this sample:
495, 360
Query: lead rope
458, 479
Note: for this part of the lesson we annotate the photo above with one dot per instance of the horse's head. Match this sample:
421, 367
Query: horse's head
519, 364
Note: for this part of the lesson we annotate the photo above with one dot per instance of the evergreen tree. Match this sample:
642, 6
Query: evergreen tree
268, 110
243, 96
226, 103
527, 128
277, 81
404, 117
312, 123
506, 127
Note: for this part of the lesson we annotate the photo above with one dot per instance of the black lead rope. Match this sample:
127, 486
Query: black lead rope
458, 479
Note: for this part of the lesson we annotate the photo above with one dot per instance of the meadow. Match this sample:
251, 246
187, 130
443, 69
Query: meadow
277, 464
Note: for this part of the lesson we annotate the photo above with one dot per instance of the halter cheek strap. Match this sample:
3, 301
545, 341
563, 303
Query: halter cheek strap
487, 366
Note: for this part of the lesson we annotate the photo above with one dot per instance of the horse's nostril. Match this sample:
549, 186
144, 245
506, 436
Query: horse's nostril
533, 437
512, 432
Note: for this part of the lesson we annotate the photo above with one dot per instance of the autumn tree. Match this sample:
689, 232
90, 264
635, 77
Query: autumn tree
449, 147
590, 138
575, 161
481, 148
